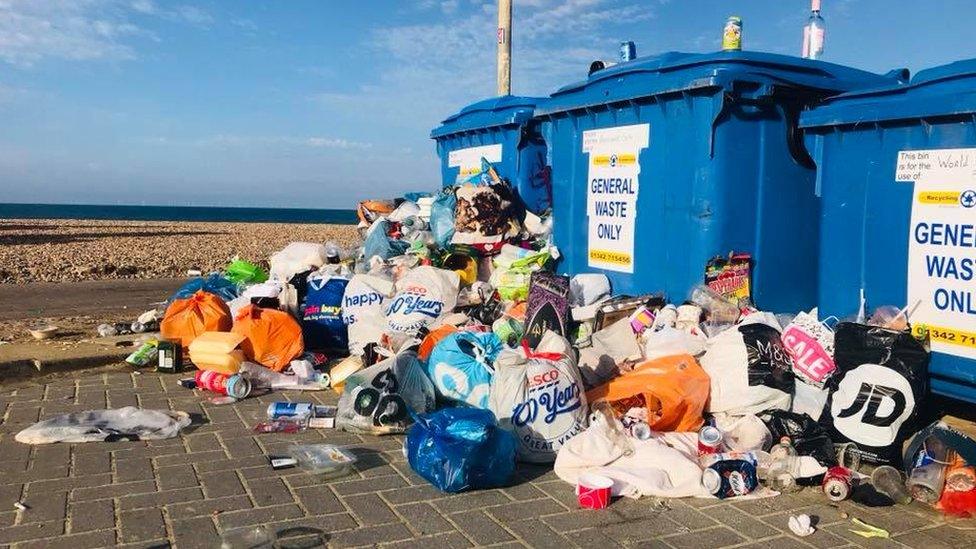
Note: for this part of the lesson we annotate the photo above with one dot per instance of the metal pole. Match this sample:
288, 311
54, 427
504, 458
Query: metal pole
504, 47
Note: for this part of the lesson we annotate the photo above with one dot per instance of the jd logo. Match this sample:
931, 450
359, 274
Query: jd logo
873, 396
870, 404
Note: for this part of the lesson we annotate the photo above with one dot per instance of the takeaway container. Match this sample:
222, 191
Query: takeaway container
503, 131
662, 163
897, 177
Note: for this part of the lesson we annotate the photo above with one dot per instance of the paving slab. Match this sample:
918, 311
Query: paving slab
186, 491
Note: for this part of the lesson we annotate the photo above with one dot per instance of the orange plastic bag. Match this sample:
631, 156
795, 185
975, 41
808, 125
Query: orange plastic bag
185, 319
433, 338
272, 337
674, 389
959, 495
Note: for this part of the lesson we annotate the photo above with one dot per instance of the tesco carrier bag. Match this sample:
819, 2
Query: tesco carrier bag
423, 295
877, 392
538, 395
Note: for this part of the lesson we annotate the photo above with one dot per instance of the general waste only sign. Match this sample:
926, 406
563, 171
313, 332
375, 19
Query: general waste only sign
612, 187
942, 246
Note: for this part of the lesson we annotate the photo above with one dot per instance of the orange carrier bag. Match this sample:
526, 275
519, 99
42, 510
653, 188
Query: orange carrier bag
185, 319
674, 389
272, 337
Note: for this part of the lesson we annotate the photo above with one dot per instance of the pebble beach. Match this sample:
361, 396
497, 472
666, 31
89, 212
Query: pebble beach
59, 250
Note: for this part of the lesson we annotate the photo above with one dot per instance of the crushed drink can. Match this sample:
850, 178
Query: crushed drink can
730, 478
709, 440
236, 386
838, 483
278, 410
636, 428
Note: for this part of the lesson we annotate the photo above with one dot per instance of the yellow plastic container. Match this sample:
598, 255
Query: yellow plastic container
217, 351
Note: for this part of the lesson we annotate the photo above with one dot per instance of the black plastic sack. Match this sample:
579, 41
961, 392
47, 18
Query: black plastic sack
807, 436
880, 385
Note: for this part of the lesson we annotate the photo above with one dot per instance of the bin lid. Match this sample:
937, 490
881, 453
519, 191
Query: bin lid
945, 90
675, 72
489, 113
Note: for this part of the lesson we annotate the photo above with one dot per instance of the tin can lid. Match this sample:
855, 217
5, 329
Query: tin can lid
712, 480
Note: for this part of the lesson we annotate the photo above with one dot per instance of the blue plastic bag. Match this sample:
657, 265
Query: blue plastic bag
379, 243
213, 284
442, 217
458, 449
460, 366
322, 326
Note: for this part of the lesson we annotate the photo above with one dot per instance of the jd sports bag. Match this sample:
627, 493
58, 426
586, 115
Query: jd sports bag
876, 393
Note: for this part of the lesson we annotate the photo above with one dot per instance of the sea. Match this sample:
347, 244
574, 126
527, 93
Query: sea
176, 213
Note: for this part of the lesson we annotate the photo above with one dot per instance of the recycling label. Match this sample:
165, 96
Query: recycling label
612, 188
942, 247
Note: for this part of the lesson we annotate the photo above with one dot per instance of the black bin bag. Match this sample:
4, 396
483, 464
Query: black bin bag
878, 391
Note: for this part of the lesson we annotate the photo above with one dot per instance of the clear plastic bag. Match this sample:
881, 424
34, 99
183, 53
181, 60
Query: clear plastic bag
380, 399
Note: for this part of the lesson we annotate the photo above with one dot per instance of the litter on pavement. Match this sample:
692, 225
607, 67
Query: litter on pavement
451, 325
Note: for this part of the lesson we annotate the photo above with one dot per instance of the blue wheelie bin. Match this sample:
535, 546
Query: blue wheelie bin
662, 163
897, 177
503, 131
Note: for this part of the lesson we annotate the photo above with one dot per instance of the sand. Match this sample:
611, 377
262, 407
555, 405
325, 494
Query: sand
74, 250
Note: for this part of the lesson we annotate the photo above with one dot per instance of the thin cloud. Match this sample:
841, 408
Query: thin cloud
314, 142
439, 66
82, 30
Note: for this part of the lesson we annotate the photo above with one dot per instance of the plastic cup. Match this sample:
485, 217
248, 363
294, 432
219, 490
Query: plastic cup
593, 491
887, 480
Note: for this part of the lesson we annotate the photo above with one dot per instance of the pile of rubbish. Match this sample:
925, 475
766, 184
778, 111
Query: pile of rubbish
450, 324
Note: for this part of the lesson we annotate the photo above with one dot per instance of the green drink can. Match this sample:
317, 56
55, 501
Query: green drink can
732, 35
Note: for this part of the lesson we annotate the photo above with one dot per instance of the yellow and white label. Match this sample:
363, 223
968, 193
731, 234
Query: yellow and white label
944, 336
612, 187
942, 247
468, 161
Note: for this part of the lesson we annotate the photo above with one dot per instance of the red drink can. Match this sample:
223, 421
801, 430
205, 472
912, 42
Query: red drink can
838, 483
709, 440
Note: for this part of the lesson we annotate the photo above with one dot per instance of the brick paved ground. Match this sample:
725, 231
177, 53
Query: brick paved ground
216, 476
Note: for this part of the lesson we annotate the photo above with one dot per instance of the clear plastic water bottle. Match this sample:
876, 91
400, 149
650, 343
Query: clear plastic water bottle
783, 466
814, 33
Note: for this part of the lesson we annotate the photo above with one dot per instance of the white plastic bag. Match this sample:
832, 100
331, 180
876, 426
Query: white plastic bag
672, 341
750, 369
272, 288
362, 310
539, 396
295, 258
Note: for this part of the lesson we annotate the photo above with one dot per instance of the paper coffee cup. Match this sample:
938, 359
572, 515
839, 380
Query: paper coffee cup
593, 491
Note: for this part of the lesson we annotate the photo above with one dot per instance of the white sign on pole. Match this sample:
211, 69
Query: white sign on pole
612, 187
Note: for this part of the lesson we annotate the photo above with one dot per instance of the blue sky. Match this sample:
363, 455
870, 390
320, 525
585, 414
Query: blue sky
320, 103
